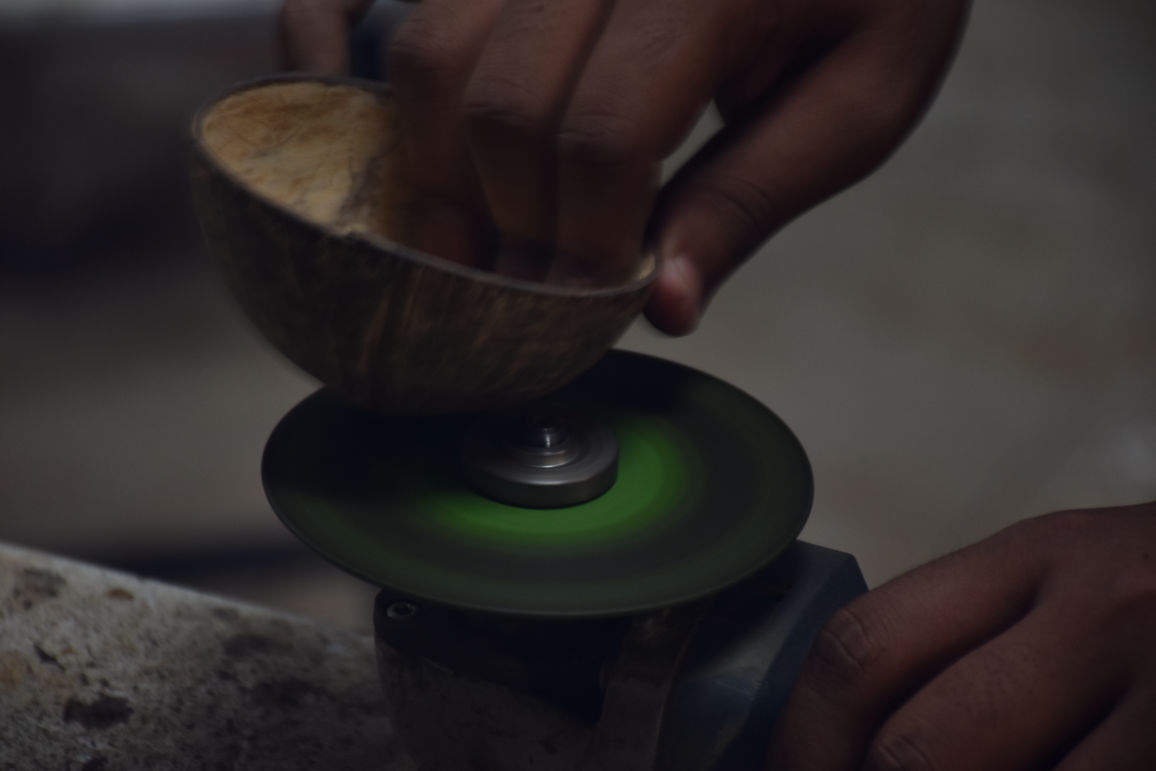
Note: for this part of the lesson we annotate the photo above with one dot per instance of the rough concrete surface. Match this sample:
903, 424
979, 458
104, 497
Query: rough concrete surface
100, 671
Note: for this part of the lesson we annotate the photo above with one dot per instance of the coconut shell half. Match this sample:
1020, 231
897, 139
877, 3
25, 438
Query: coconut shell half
298, 189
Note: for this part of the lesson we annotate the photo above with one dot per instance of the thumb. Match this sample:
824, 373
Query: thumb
702, 230
820, 133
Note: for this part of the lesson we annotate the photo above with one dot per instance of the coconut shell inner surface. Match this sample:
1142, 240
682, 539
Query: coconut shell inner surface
324, 151
303, 201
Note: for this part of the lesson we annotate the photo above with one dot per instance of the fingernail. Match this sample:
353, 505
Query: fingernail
683, 293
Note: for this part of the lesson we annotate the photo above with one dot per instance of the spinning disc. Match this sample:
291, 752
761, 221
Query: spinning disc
711, 486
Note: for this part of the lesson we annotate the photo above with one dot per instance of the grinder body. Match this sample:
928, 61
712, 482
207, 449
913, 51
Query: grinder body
697, 687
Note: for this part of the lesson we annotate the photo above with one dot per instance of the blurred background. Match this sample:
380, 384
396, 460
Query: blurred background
966, 339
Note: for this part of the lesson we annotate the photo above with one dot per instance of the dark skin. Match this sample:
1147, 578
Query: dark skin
535, 130
1033, 649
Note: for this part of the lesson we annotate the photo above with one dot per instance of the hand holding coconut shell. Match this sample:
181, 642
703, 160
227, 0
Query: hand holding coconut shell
535, 129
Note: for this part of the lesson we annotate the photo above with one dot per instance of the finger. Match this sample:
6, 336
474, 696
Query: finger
883, 646
429, 63
315, 34
649, 77
1124, 741
1019, 701
829, 127
519, 87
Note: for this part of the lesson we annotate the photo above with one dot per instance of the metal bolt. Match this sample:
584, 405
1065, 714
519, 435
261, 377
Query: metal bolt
540, 459
402, 610
541, 432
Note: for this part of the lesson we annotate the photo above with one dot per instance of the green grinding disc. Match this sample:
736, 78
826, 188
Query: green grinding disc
711, 487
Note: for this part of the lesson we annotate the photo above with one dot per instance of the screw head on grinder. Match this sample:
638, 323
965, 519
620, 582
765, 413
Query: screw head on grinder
543, 458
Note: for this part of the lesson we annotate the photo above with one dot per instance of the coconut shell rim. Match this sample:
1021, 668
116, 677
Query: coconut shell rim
375, 242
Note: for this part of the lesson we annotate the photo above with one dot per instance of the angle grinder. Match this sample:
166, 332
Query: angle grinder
587, 559
607, 578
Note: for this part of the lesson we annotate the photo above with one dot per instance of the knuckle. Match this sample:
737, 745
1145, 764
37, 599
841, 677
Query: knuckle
1108, 564
1135, 611
844, 651
601, 137
506, 106
421, 55
1127, 594
753, 210
656, 41
899, 751
1055, 532
1074, 522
